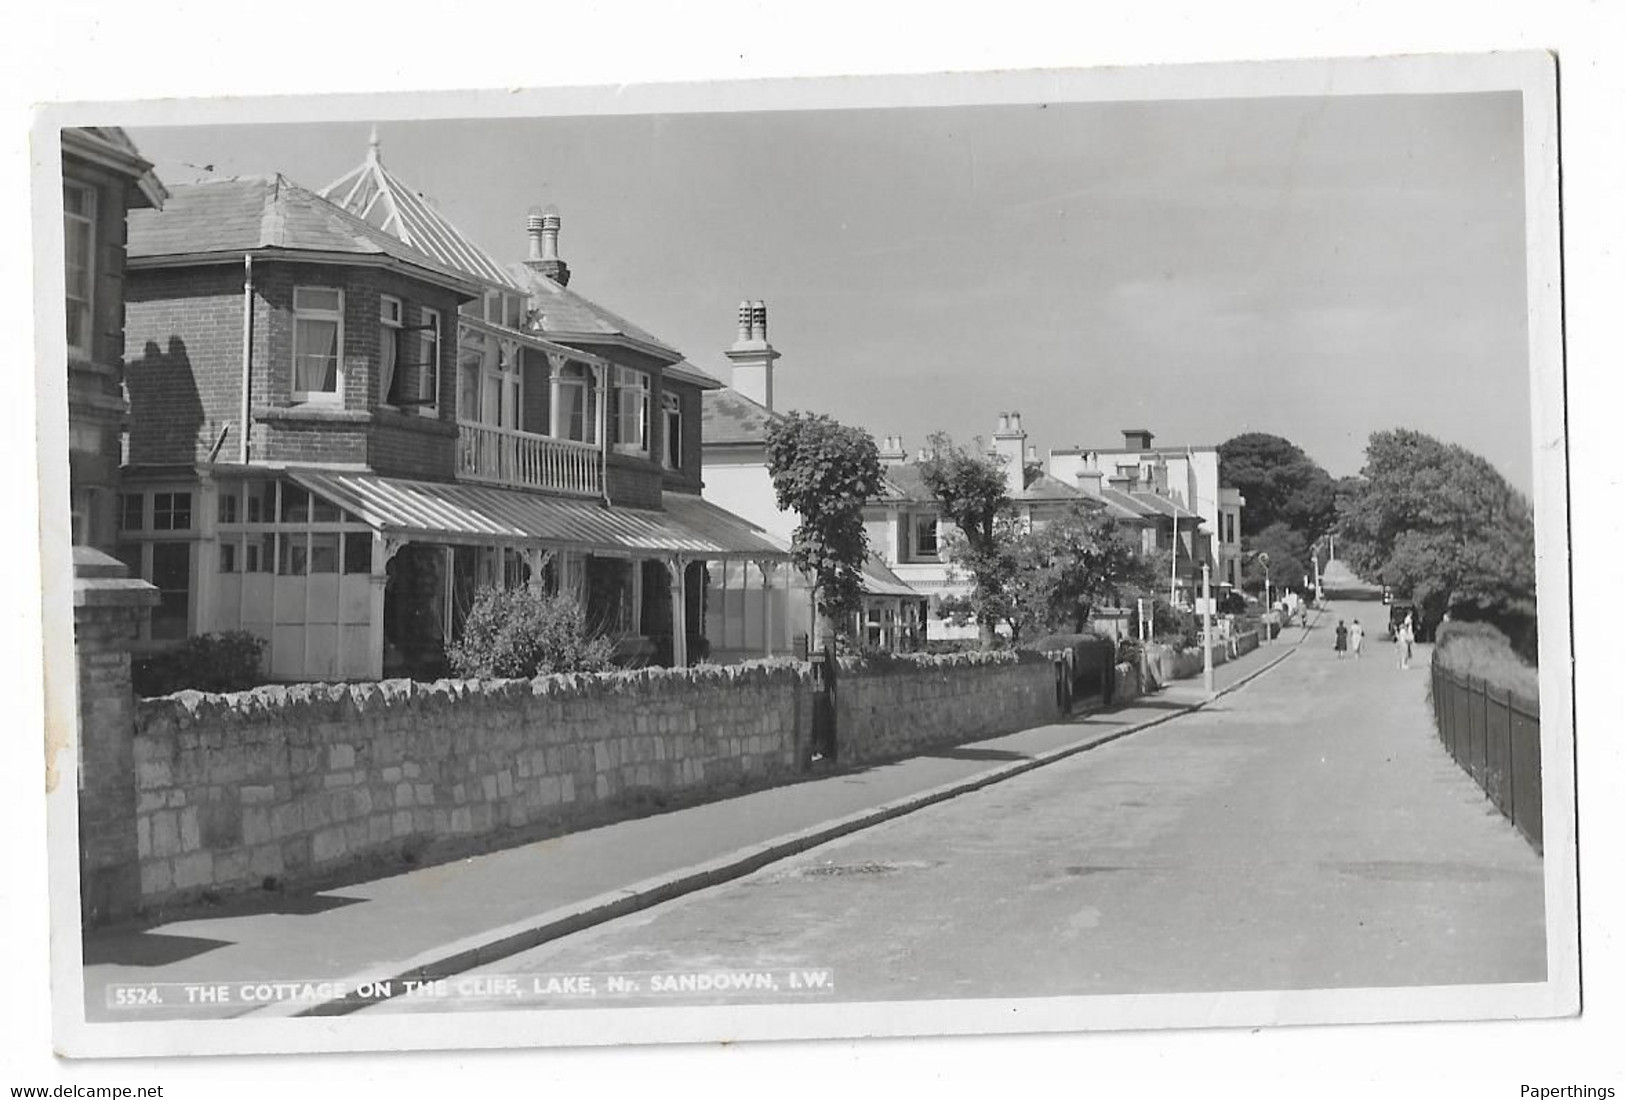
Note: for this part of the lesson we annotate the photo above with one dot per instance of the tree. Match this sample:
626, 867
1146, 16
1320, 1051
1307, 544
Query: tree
1280, 483
1288, 554
1065, 568
1441, 525
825, 472
970, 489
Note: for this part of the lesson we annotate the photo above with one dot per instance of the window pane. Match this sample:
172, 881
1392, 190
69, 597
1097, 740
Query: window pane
324, 511
228, 557
172, 576
259, 551
295, 504
77, 200
389, 382
358, 552
260, 501
131, 512
292, 555
314, 298
171, 511
316, 356
324, 553
389, 310
228, 503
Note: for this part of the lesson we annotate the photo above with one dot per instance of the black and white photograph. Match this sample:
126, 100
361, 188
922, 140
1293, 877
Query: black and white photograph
1064, 551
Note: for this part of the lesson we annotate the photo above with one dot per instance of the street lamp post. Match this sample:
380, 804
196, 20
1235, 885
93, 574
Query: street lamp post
1207, 633
1269, 607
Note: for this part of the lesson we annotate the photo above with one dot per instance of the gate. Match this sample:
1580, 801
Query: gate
824, 673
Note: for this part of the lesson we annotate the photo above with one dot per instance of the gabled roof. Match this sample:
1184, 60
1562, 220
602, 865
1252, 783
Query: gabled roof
879, 580
684, 371
383, 201
112, 148
903, 482
261, 214
729, 417
566, 315
1144, 505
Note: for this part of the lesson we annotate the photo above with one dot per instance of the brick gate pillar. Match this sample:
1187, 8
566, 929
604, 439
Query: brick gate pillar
108, 609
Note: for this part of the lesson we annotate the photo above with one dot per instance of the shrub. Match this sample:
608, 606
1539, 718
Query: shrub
522, 632
207, 662
1480, 650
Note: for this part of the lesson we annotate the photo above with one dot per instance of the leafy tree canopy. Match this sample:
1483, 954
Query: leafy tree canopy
970, 489
825, 471
1280, 482
1067, 567
1288, 552
1441, 525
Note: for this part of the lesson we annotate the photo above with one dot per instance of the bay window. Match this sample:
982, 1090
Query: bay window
79, 231
575, 403
429, 358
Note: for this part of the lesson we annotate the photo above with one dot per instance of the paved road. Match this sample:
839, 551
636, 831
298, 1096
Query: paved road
1305, 832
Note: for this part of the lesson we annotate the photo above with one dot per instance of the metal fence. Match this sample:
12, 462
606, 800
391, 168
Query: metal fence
1495, 737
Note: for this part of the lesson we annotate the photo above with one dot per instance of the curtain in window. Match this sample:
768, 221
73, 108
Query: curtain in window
316, 361
388, 338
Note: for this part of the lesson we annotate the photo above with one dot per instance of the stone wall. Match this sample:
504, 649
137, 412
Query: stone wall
313, 784
895, 708
318, 782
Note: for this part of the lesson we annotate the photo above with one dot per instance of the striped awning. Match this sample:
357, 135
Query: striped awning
452, 512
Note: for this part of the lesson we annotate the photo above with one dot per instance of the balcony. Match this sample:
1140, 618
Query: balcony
523, 460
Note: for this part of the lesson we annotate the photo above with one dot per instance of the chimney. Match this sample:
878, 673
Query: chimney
1136, 439
752, 356
1010, 444
542, 227
892, 452
1089, 482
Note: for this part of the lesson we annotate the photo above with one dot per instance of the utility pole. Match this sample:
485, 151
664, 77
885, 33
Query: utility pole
1207, 633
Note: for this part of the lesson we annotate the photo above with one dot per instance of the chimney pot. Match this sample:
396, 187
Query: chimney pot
758, 320
1015, 422
1004, 423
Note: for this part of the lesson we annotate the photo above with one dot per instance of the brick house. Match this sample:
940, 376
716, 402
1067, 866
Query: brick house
346, 421
103, 178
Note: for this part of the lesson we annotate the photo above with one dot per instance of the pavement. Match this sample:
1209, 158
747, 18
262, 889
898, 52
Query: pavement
1307, 833
447, 919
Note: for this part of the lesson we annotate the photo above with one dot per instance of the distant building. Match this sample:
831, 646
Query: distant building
103, 178
1186, 475
736, 419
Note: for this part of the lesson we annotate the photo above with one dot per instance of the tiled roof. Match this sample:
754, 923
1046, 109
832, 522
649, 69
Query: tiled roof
904, 482
111, 146
879, 580
728, 416
684, 371
383, 201
260, 213
567, 315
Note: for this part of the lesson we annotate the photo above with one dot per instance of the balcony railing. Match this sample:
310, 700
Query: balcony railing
507, 456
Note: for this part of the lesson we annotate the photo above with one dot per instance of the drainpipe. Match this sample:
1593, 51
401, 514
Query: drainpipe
248, 350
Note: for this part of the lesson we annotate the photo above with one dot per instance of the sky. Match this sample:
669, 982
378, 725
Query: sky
1318, 268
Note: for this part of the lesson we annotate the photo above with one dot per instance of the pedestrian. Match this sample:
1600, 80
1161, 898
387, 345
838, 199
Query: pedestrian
1403, 637
1356, 637
1342, 642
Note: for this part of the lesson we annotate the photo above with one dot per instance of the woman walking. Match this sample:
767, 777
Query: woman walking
1342, 642
1356, 637
1403, 637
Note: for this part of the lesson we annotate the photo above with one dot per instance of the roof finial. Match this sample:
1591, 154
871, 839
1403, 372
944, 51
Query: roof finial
372, 145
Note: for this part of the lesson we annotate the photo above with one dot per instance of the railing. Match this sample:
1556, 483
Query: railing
506, 456
1495, 737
